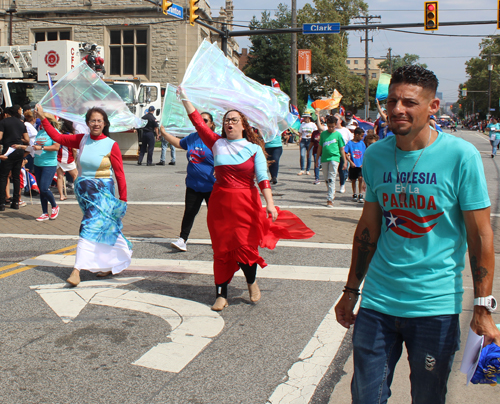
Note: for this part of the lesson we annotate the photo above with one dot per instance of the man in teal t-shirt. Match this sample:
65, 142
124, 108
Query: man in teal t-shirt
494, 129
426, 201
330, 149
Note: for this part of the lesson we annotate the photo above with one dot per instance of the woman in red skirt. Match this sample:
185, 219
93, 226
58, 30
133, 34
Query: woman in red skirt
237, 222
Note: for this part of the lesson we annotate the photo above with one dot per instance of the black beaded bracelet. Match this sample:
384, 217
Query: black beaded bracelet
351, 290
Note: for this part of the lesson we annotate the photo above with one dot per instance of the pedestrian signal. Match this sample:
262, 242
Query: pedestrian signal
165, 6
192, 11
431, 16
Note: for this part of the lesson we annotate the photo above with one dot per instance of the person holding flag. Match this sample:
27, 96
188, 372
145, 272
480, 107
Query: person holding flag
237, 222
102, 248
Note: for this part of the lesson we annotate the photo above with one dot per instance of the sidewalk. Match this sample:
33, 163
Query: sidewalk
155, 220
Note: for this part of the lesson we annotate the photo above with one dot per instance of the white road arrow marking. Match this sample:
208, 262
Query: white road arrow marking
193, 324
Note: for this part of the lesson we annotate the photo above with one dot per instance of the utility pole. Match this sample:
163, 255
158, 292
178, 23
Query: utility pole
490, 68
389, 55
293, 61
367, 19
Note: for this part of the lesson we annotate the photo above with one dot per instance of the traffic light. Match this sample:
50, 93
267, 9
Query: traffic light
192, 11
431, 16
165, 6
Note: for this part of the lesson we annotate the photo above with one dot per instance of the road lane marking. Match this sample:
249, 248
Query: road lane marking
291, 272
16, 271
306, 373
193, 325
25, 268
281, 243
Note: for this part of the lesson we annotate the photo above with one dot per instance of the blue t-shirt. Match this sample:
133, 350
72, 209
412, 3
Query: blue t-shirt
357, 150
416, 270
47, 158
200, 169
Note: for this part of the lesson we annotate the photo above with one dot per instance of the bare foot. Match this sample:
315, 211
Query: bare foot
62, 198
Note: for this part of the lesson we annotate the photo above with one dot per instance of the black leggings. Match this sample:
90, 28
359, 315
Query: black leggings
250, 272
193, 202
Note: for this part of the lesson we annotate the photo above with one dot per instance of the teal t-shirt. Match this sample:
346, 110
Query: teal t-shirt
276, 142
47, 158
494, 131
416, 270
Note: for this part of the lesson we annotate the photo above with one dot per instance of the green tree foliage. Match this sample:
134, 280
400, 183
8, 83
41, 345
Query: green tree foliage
398, 61
269, 56
477, 85
329, 52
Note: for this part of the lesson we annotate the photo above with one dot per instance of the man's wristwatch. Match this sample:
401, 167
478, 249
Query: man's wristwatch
489, 302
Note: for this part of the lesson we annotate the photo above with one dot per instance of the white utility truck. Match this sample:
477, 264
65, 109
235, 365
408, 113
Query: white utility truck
24, 81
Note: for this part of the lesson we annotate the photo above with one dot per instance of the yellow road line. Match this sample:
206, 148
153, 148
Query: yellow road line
10, 266
16, 271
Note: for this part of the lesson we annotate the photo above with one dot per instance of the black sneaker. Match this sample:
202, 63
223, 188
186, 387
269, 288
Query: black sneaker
161, 163
360, 198
14, 205
139, 164
2, 208
274, 181
355, 198
172, 163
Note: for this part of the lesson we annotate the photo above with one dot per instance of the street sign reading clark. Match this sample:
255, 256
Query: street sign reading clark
321, 28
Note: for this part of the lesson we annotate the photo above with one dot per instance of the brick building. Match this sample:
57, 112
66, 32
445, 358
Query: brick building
137, 39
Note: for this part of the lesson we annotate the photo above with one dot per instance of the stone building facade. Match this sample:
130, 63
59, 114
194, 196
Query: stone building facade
137, 39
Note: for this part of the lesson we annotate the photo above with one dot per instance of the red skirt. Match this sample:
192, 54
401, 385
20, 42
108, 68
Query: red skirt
238, 225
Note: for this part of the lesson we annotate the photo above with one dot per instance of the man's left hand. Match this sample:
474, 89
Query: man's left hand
482, 324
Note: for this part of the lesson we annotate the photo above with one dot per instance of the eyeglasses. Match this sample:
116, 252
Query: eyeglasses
231, 120
206, 120
96, 121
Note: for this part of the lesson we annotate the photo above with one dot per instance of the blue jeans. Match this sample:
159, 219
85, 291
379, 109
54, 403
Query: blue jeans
343, 174
304, 144
316, 169
274, 154
378, 339
164, 146
44, 177
494, 145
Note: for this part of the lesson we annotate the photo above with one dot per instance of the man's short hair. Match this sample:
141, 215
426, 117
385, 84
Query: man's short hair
359, 131
331, 120
417, 75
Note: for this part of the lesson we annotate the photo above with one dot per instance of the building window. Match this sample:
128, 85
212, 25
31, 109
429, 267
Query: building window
355, 62
52, 35
128, 52
348, 62
374, 75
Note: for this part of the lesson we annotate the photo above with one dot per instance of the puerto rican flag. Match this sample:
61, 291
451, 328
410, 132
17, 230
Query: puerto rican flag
275, 83
55, 101
342, 110
28, 178
408, 225
363, 124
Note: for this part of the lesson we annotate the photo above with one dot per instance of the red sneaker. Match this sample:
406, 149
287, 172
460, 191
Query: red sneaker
55, 212
42, 218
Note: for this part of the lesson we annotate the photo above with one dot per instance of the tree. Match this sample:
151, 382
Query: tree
269, 56
477, 85
398, 61
329, 52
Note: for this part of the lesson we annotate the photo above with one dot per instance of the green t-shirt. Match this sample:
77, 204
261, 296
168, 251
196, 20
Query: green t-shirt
331, 144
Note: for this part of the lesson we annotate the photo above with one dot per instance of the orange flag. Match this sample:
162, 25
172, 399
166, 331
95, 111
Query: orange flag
330, 103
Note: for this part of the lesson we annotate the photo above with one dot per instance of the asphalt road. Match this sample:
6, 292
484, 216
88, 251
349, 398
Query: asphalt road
148, 336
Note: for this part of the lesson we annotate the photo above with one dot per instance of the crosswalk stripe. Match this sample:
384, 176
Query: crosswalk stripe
292, 272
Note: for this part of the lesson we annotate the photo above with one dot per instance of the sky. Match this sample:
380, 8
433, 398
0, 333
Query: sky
444, 55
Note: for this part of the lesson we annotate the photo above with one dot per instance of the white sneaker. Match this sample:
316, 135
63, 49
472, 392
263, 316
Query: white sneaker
179, 244
342, 189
